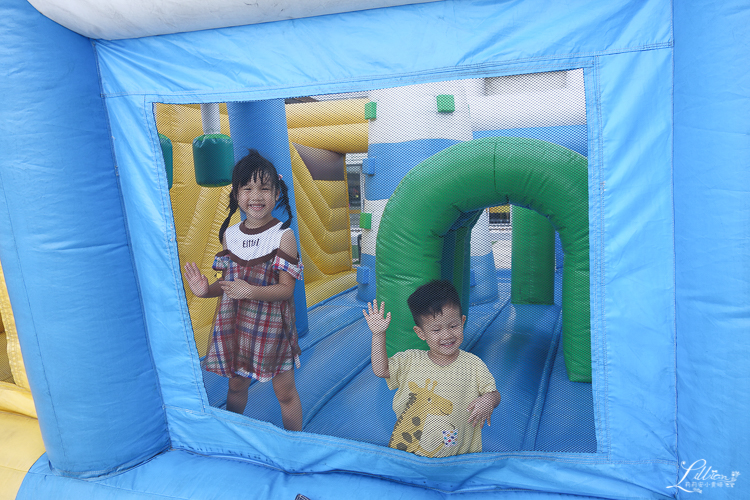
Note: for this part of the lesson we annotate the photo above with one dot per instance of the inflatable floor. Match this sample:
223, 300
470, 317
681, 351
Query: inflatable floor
541, 410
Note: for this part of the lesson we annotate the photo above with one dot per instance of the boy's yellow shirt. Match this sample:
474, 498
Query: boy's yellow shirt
432, 403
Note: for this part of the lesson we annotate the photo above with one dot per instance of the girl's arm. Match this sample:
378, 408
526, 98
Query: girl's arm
198, 282
283, 290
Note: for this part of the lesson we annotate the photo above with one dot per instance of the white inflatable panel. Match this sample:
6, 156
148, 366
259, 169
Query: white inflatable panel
370, 236
118, 19
521, 101
480, 236
410, 113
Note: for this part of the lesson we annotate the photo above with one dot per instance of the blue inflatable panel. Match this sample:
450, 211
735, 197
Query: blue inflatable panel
366, 290
372, 426
393, 161
573, 137
181, 475
72, 283
515, 350
567, 417
483, 286
326, 366
666, 271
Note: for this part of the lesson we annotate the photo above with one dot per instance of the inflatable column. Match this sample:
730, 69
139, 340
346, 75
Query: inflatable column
407, 125
67, 258
533, 255
262, 125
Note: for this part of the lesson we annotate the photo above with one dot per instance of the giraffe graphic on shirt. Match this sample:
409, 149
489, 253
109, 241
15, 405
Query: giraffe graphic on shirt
408, 429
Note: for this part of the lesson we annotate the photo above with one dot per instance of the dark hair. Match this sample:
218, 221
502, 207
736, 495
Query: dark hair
254, 167
430, 299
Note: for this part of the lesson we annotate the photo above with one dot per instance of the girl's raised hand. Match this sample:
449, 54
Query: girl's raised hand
377, 320
197, 282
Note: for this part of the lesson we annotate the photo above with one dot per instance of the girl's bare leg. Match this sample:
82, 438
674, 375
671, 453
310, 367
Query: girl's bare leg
291, 407
237, 395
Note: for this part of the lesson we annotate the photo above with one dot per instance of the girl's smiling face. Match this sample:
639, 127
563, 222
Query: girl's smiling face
257, 199
443, 333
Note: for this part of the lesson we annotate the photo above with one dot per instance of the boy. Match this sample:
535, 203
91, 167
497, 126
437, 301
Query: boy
445, 394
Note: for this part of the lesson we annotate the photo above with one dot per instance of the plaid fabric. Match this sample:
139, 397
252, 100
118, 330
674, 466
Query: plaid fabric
253, 338
284, 265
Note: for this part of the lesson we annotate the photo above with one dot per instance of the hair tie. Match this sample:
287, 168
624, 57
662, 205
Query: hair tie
280, 177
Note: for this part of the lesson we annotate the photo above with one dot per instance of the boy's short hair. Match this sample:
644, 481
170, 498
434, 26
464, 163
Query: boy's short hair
430, 299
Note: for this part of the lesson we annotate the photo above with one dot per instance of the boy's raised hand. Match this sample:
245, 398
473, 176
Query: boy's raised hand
376, 318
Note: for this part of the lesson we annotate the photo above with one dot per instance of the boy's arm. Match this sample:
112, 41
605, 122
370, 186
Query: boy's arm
380, 357
480, 410
378, 323
482, 407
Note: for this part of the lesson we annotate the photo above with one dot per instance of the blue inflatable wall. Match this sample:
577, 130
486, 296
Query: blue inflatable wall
89, 253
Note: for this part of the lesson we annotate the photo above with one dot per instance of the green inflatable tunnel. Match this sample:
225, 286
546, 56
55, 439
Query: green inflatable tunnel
425, 230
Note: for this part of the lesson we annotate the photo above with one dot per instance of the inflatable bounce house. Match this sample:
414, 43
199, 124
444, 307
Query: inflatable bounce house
613, 309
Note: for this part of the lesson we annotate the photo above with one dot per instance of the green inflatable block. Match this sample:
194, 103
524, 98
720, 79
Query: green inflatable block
446, 103
213, 157
371, 110
365, 220
167, 153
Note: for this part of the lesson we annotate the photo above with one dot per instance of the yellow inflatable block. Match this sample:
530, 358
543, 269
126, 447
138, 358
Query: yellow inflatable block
15, 361
321, 289
15, 399
328, 263
321, 113
20, 438
182, 122
309, 200
348, 138
21, 445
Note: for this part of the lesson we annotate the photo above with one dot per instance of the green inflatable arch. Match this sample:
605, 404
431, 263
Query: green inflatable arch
425, 229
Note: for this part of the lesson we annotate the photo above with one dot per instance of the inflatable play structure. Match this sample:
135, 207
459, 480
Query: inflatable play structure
617, 131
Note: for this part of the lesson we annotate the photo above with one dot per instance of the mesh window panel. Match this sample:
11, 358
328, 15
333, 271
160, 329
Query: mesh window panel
442, 180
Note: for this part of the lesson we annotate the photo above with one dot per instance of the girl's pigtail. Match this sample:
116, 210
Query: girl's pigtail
285, 200
233, 206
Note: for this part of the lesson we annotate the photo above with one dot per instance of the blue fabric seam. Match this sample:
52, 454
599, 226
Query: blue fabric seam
674, 253
170, 244
596, 163
361, 446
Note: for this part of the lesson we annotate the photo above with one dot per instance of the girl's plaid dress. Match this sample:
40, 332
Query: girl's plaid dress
253, 338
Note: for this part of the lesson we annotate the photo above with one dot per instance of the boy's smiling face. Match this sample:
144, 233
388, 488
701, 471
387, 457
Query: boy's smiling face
443, 333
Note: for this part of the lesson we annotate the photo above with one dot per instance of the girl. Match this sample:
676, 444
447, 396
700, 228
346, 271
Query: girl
254, 332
